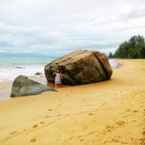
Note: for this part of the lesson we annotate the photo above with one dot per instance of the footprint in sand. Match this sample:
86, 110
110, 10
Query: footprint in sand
118, 141
35, 126
33, 140
142, 141
91, 133
115, 140
71, 138
143, 132
81, 139
90, 114
128, 110
13, 132
50, 110
109, 128
120, 123
135, 111
46, 116
42, 122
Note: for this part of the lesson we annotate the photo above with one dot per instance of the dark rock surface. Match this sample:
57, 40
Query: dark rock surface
23, 86
80, 67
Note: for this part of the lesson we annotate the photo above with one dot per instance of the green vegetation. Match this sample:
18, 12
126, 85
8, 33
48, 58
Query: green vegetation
133, 48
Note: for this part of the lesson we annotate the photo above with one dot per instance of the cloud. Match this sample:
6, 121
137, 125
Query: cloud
45, 26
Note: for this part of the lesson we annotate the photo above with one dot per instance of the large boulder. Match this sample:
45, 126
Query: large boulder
80, 67
23, 86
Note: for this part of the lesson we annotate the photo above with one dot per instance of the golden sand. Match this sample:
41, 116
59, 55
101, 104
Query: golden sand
106, 113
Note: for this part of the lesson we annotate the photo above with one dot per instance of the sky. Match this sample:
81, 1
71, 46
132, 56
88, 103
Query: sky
56, 26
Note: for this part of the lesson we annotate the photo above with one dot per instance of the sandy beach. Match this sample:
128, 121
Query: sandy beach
106, 113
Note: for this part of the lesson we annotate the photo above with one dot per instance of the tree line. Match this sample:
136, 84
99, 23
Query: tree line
133, 48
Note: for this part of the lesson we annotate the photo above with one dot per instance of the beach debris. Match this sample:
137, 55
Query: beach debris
80, 67
19, 67
23, 86
38, 73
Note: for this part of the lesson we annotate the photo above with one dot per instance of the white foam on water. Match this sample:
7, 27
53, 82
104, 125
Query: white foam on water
10, 72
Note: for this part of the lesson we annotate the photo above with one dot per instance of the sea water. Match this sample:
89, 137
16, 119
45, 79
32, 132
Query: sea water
12, 65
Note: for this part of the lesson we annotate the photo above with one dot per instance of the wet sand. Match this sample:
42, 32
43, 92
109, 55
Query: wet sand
107, 113
5, 89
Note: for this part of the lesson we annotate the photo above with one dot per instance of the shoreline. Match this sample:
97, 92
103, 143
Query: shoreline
6, 78
10, 72
5, 89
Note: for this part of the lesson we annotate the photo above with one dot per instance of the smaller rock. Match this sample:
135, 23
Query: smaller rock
23, 86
